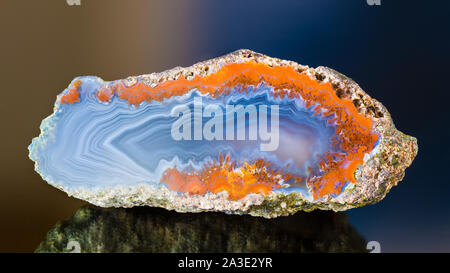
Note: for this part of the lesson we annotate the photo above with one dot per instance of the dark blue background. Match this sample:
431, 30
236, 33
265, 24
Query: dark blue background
398, 53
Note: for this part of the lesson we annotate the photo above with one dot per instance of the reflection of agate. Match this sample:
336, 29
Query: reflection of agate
156, 230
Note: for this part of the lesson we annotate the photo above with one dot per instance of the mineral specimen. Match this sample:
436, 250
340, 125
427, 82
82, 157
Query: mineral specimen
145, 229
242, 133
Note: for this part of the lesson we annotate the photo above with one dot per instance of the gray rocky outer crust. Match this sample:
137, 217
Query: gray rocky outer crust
382, 169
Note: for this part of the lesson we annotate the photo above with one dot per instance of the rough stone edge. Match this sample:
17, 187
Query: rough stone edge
381, 170
385, 166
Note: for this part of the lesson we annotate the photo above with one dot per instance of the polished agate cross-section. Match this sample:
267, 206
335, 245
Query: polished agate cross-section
239, 134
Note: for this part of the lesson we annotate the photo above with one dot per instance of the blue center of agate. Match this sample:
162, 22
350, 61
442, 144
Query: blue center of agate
101, 145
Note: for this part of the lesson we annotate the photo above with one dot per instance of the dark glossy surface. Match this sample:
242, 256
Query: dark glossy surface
144, 229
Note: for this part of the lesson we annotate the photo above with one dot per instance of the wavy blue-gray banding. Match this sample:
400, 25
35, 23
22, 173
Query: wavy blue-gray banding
95, 145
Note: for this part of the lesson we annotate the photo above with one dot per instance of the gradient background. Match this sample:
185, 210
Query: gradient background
398, 53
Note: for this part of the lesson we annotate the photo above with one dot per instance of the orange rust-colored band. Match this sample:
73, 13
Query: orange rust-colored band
222, 176
72, 95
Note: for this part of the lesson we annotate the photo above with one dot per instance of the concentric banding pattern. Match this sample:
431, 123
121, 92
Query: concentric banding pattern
108, 143
102, 145
104, 135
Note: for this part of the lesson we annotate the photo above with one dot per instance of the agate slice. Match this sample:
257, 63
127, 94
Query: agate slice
242, 133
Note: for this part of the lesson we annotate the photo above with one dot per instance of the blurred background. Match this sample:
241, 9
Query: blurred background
398, 52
